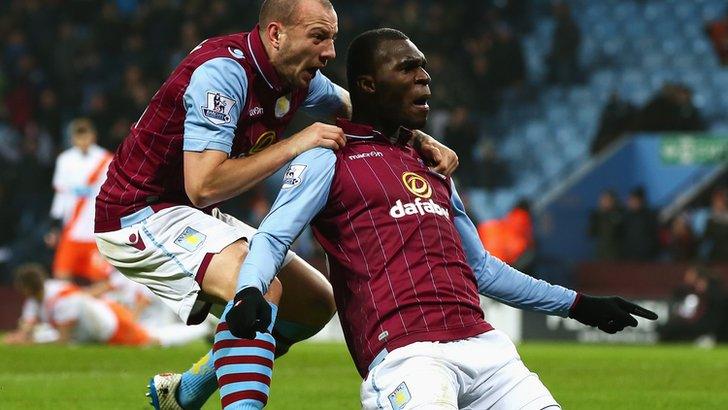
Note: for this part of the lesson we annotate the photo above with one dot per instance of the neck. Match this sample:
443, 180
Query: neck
369, 117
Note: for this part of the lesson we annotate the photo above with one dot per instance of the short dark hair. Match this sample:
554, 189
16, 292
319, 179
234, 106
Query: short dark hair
282, 10
362, 52
638, 193
31, 277
81, 126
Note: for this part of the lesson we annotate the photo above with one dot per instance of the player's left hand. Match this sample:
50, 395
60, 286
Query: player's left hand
610, 314
442, 159
250, 313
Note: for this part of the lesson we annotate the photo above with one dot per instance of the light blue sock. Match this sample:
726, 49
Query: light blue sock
198, 384
287, 333
243, 366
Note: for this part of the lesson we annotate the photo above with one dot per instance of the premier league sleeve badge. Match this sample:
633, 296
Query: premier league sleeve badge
218, 108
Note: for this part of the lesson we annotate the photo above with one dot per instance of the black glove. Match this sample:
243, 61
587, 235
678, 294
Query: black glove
250, 313
610, 314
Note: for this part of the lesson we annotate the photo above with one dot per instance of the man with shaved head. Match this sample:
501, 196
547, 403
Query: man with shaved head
212, 131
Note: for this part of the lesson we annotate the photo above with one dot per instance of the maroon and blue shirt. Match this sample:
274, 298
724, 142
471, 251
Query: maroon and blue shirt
405, 261
225, 96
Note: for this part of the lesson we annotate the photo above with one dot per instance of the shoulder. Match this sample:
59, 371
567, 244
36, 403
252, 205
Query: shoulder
230, 45
98, 152
317, 158
223, 55
67, 155
221, 69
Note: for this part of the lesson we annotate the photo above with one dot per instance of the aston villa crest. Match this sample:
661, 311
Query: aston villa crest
283, 105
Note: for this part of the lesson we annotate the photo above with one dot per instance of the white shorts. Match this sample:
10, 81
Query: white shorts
169, 251
482, 372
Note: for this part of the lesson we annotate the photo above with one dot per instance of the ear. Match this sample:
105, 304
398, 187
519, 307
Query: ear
366, 84
273, 33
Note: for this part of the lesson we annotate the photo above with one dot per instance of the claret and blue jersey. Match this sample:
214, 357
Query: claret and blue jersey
405, 261
223, 96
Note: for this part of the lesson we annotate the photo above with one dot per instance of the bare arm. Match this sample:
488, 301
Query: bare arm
211, 177
22, 335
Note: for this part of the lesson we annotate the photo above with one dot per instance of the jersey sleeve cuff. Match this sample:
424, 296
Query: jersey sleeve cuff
199, 145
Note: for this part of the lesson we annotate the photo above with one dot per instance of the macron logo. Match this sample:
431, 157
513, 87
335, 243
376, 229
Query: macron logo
418, 207
366, 155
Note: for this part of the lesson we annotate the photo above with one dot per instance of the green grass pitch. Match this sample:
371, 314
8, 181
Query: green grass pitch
321, 376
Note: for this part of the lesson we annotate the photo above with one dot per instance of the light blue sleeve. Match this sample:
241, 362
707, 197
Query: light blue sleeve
213, 100
499, 281
324, 98
304, 193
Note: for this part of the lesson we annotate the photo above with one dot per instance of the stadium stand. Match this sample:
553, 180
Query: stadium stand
628, 47
108, 57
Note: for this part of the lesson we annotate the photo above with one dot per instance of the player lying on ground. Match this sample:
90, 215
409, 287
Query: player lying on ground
405, 261
75, 316
148, 310
209, 133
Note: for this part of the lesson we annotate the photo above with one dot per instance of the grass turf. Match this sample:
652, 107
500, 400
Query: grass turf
321, 376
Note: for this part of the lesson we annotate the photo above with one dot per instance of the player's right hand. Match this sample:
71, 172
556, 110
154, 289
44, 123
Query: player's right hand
250, 313
318, 135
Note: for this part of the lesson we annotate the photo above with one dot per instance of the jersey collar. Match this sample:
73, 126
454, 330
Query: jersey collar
355, 131
254, 46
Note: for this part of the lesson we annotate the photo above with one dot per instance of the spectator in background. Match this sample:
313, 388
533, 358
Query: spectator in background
698, 309
605, 226
108, 57
563, 59
718, 32
617, 118
639, 228
682, 245
715, 238
494, 172
9, 215
671, 109
31, 178
511, 238
506, 57
461, 135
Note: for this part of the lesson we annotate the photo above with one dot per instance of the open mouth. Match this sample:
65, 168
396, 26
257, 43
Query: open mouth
422, 101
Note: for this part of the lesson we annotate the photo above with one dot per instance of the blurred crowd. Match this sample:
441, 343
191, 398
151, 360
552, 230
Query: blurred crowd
633, 232
104, 60
670, 109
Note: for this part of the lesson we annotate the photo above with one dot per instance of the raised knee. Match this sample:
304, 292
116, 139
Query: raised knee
275, 290
324, 306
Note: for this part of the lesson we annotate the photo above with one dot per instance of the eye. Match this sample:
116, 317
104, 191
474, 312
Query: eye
318, 37
408, 67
